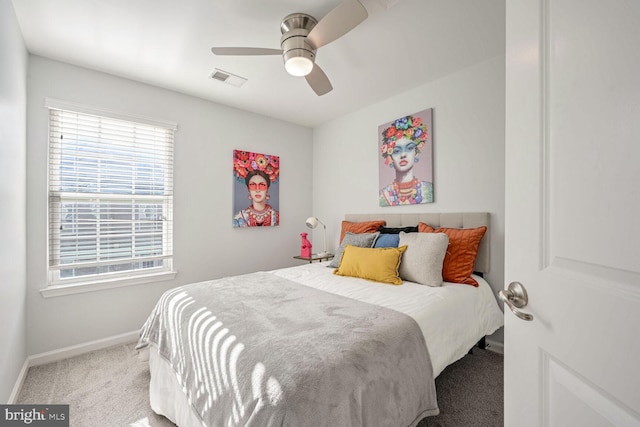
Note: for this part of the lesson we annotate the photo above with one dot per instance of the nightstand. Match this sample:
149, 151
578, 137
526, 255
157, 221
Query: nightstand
315, 257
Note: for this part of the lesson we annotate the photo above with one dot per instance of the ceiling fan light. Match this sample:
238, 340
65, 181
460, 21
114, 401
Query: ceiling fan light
298, 66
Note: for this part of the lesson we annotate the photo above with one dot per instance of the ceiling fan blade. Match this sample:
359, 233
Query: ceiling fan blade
318, 81
245, 51
344, 18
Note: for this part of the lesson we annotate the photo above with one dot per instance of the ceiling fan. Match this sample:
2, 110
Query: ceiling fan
302, 36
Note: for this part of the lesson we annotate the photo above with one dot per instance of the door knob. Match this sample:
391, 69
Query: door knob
515, 296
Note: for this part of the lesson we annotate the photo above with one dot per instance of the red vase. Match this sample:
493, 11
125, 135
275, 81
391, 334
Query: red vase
305, 246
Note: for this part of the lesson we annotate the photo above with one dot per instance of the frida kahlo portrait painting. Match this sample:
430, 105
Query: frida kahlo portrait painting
406, 160
255, 190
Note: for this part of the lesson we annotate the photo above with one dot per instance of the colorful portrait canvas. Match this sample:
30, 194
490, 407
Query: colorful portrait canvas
256, 189
405, 146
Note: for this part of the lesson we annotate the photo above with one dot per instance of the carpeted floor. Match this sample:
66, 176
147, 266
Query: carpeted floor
110, 388
470, 392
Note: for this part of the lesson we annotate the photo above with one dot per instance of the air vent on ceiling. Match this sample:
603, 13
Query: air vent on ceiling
389, 3
227, 77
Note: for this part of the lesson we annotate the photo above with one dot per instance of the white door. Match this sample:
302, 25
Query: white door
573, 212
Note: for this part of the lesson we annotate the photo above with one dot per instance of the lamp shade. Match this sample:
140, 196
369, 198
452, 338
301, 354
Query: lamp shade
312, 222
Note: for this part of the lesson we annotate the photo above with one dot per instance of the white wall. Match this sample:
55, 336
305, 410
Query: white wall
13, 106
206, 245
468, 135
339, 157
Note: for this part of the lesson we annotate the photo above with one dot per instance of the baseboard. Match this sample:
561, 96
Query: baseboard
65, 353
76, 350
19, 382
495, 346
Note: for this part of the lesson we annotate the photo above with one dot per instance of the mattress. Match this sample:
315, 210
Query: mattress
452, 317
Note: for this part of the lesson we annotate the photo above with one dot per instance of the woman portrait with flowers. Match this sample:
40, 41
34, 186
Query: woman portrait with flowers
402, 142
256, 174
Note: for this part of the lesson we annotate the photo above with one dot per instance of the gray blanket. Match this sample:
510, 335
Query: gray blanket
260, 350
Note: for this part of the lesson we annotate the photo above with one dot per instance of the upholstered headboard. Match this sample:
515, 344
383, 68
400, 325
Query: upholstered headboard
435, 220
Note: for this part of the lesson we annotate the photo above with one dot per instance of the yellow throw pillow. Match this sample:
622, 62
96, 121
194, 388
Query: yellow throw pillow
377, 264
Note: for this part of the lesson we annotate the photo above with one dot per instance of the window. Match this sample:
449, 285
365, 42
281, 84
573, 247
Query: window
110, 197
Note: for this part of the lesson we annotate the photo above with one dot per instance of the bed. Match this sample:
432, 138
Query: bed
305, 346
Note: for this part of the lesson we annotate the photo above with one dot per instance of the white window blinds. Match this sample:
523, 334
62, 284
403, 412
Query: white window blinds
110, 197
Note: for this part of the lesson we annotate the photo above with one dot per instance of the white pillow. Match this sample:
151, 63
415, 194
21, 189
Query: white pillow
422, 261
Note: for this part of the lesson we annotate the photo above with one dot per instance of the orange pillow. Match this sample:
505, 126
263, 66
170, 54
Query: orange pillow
461, 253
360, 227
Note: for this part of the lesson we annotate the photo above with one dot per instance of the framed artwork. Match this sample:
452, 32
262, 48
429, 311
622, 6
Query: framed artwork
255, 189
405, 146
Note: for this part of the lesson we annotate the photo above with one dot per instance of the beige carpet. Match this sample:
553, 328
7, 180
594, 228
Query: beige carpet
110, 388
107, 387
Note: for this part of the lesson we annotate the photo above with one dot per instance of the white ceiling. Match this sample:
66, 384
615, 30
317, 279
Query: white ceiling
167, 43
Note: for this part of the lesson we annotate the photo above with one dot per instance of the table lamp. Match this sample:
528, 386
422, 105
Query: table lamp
312, 222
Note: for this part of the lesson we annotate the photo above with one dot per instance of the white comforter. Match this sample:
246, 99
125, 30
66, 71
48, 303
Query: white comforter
452, 317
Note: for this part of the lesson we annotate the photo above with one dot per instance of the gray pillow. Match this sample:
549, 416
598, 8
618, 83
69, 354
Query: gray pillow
423, 259
362, 240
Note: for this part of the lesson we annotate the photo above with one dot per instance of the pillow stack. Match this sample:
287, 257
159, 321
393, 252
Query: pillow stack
420, 254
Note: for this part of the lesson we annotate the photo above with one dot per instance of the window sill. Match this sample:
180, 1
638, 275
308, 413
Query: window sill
79, 288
